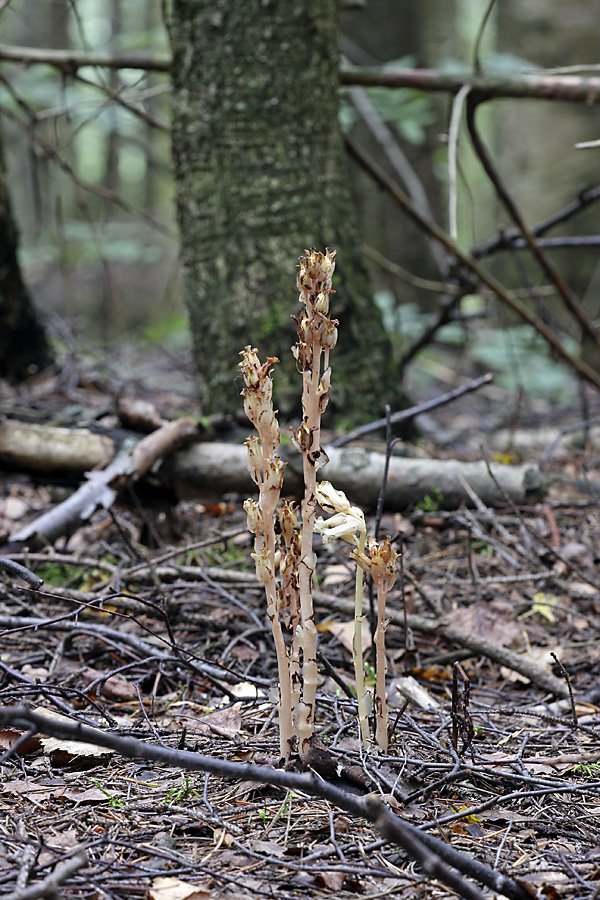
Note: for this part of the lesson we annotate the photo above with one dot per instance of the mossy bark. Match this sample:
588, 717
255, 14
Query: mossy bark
23, 345
261, 175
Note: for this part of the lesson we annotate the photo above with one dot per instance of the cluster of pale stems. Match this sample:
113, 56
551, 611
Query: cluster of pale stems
283, 545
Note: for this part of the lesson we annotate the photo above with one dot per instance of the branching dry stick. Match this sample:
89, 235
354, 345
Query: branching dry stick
571, 301
404, 414
102, 486
466, 260
317, 335
432, 854
49, 887
509, 237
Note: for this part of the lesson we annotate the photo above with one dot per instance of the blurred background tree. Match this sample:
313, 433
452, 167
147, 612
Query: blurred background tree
24, 348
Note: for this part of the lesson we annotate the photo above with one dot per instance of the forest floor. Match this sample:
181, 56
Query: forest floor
150, 625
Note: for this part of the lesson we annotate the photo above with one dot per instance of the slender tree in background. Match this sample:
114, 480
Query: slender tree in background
23, 345
261, 174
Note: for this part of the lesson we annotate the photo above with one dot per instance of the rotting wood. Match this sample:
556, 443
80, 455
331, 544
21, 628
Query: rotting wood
358, 472
217, 467
103, 485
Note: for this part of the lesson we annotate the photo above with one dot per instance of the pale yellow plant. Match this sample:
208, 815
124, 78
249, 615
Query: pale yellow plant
266, 470
381, 561
287, 571
347, 523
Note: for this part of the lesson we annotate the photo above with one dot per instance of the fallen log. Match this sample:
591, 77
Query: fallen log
215, 468
103, 485
359, 473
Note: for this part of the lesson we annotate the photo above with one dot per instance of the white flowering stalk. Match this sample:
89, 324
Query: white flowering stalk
317, 335
266, 470
381, 561
348, 523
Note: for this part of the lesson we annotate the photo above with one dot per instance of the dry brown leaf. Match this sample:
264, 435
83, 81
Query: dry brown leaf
344, 632
224, 722
63, 751
171, 888
542, 658
62, 840
332, 880
335, 575
36, 792
114, 688
9, 736
486, 620
269, 848
92, 795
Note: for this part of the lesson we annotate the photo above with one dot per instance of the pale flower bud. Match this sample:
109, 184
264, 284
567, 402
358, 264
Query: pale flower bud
330, 337
287, 520
250, 366
383, 561
273, 476
330, 499
253, 516
254, 456
322, 303
264, 572
342, 527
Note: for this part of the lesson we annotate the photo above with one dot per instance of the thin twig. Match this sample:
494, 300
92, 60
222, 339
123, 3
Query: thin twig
19, 571
508, 297
567, 678
49, 887
413, 411
571, 301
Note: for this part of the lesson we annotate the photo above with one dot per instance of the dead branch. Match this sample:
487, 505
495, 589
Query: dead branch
102, 486
510, 238
570, 300
217, 468
18, 571
51, 883
70, 60
412, 412
358, 472
507, 297
570, 88
433, 854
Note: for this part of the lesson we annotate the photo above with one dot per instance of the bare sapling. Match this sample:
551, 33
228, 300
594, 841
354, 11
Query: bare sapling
317, 335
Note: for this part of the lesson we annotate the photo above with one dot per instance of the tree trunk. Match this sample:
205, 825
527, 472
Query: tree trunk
261, 175
23, 345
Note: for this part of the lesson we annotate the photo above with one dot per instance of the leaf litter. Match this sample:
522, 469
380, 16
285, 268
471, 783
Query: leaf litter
152, 626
